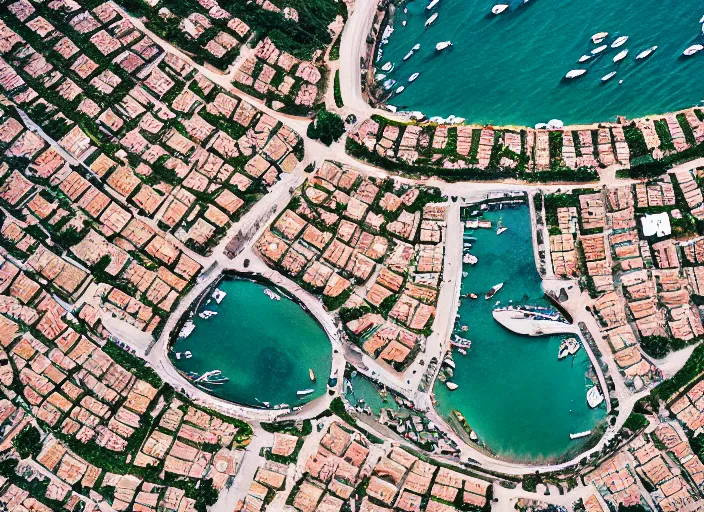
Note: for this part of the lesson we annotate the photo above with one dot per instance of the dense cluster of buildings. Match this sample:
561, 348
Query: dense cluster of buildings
368, 245
486, 148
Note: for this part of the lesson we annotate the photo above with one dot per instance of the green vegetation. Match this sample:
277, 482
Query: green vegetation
133, 364
687, 130
636, 141
663, 132
289, 427
631, 508
635, 422
338, 91
327, 127
28, 442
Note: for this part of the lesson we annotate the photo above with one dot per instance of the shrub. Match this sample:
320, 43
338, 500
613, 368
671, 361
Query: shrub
327, 127
28, 442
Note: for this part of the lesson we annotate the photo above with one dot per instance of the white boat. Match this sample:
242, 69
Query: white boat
701, 20
575, 73
400, 89
442, 45
271, 295
218, 295
431, 20
693, 49
432, 4
449, 362
187, 329
599, 49
580, 434
608, 77
380, 76
416, 47
599, 37
493, 291
620, 41
413, 77
388, 84
594, 397
584, 58
387, 67
187, 354
501, 229
207, 314
470, 259
620, 55
408, 55
305, 392
646, 53
499, 8
451, 386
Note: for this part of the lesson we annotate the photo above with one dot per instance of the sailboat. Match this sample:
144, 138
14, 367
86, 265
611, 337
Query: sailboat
501, 228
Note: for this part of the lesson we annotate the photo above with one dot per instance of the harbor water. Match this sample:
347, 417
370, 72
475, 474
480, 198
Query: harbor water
264, 347
522, 402
508, 69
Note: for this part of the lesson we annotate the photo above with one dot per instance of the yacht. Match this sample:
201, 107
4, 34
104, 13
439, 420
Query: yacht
693, 49
619, 42
493, 291
470, 259
599, 49
599, 37
646, 53
432, 4
594, 397
608, 77
499, 8
575, 73
584, 58
451, 386
387, 67
442, 45
305, 392
431, 20
400, 89
620, 56
413, 77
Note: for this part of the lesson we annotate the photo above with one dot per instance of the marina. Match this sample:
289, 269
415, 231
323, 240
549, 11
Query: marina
521, 402
526, 49
262, 349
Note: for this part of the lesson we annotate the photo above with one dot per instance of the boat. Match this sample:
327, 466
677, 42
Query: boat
599, 37
568, 347
499, 8
462, 351
464, 328
305, 392
620, 55
449, 362
646, 53
311, 374
408, 55
693, 49
388, 84
584, 58
579, 435
187, 354
594, 397
620, 41
387, 67
400, 89
459, 342
178, 355
187, 329
442, 45
608, 77
575, 73
413, 77
470, 259
501, 229
451, 386
599, 49
432, 4
493, 291
271, 295
473, 296
218, 295
207, 314
431, 20
416, 47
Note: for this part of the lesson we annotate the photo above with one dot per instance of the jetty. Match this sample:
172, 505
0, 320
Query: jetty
532, 321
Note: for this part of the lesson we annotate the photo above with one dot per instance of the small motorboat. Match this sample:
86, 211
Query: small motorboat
499, 8
620, 55
584, 58
431, 20
493, 291
311, 374
187, 354
599, 49
451, 386
413, 77
575, 73
400, 89
646, 53
442, 45
594, 397
620, 41
305, 392
388, 84
608, 77
387, 67
408, 55
599, 37
432, 4
416, 47
693, 49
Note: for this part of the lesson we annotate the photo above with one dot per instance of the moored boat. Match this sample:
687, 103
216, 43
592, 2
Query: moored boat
608, 77
413, 77
693, 49
575, 73
493, 291
387, 67
646, 53
305, 392
499, 8
470, 259
620, 55
432, 4
599, 37
311, 374
400, 89
584, 58
620, 41
579, 435
451, 386
594, 397
442, 45
408, 55
431, 20
599, 49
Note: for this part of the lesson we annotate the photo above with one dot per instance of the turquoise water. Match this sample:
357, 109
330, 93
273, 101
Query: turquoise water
265, 347
508, 69
522, 402
364, 389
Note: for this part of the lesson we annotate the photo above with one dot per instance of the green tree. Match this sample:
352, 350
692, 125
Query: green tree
327, 127
28, 442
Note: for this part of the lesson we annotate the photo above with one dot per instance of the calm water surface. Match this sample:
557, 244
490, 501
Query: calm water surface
522, 402
508, 69
265, 347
